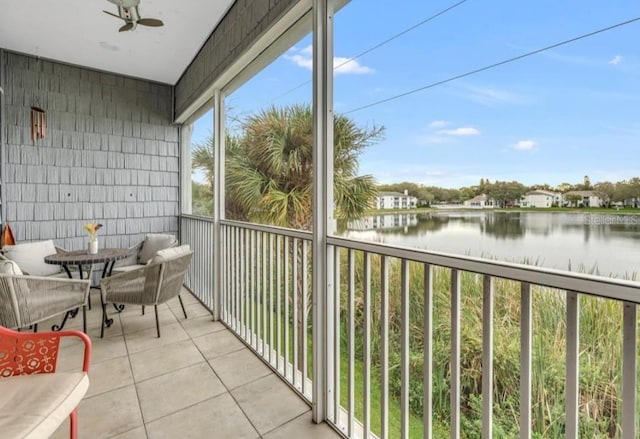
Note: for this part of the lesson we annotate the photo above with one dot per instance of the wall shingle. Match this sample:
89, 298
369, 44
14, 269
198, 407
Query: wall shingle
98, 124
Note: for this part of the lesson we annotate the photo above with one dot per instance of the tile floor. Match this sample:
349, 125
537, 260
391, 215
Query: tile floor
196, 381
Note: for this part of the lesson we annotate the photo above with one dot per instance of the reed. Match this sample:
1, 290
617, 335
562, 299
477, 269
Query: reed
600, 351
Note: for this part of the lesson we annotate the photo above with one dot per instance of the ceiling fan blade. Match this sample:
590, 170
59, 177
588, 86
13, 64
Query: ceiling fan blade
113, 15
154, 22
126, 27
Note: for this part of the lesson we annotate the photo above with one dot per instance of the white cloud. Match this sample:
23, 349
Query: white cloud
302, 61
462, 131
304, 58
345, 65
616, 60
525, 145
439, 124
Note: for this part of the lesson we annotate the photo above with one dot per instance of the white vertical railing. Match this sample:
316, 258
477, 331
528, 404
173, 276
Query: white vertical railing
525, 360
267, 295
487, 357
337, 337
455, 353
572, 368
384, 345
427, 354
198, 232
352, 337
404, 343
629, 370
372, 318
368, 351
366, 409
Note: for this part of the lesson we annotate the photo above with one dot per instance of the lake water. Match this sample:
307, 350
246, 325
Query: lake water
608, 243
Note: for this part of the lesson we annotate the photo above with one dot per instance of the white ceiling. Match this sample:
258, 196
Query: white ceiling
78, 32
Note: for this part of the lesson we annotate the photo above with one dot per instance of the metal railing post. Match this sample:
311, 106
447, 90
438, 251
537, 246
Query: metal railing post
218, 199
323, 201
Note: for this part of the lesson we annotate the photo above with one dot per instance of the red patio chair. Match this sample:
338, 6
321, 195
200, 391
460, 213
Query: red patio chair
34, 398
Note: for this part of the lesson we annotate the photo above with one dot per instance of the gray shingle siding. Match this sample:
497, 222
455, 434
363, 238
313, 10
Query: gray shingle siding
110, 151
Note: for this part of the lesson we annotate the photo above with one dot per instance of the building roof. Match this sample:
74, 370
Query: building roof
478, 198
542, 192
392, 194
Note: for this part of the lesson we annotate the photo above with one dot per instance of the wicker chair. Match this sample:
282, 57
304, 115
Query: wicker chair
151, 284
27, 300
144, 251
35, 400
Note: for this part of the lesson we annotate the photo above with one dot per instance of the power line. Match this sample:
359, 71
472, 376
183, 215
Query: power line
398, 35
491, 66
382, 43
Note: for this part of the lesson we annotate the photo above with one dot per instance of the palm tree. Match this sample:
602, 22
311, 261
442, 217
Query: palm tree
270, 168
202, 158
269, 175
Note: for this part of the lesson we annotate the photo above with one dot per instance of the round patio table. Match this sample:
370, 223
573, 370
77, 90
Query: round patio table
106, 256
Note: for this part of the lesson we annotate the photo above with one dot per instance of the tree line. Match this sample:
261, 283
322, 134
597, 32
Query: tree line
505, 192
269, 176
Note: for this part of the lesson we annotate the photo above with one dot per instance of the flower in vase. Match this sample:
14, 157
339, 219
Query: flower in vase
92, 230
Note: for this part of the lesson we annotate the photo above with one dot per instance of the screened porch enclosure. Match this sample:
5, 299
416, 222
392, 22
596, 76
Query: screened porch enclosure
295, 332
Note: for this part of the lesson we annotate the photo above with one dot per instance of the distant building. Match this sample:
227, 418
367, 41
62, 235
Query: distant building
588, 199
480, 202
540, 198
395, 200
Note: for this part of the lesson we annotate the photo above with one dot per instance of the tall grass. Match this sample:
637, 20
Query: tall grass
600, 352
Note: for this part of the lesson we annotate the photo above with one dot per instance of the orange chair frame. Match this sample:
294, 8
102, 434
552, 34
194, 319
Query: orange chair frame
26, 353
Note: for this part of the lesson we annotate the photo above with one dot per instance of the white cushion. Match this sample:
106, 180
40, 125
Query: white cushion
127, 268
154, 242
170, 253
34, 406
30, 257
10, 267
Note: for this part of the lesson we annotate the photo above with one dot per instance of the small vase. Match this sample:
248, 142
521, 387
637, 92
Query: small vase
93, 247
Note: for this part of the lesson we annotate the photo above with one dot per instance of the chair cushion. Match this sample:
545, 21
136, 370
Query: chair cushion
154, 242
170, 253
30, 257
34, 406
127, 268
10, 267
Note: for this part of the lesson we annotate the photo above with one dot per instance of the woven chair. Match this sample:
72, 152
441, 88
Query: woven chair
144, 251
151, 284
28, 300
34, 398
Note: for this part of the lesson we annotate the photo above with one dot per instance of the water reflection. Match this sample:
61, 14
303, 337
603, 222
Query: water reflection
602, 243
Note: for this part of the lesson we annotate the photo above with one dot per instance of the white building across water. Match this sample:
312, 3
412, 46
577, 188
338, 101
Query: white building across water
541, 198
395, 200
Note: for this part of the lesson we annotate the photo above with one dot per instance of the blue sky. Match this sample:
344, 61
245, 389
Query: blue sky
549, 118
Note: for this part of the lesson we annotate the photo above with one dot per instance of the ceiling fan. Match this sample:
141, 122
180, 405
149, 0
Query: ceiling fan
128, 11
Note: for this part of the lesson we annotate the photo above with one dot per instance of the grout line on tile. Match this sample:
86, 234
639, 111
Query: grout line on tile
167, 373
289, 421
135, 387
